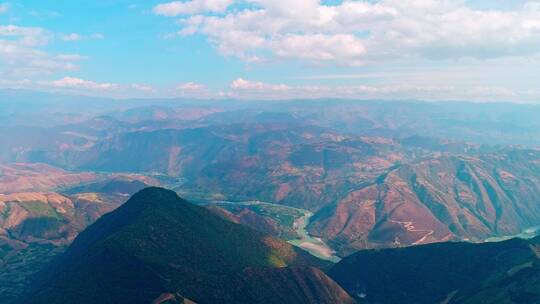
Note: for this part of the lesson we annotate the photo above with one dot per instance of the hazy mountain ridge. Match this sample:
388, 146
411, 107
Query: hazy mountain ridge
292, 158
369, 191
376, 174
261, 160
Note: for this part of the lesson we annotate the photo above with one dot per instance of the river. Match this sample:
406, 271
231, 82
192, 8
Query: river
525, 234
314, 245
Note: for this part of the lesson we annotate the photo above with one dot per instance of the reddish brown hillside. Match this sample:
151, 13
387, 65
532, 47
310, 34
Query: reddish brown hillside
22, 177
438, 199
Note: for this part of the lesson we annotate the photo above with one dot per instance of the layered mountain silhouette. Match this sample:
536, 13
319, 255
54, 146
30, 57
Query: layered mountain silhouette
368, 189
499, 272
158, 248
367, 192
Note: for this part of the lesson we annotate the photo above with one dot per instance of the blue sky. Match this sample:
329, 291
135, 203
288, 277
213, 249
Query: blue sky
264, 49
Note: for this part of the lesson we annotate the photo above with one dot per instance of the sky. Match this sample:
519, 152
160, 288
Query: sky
447, 50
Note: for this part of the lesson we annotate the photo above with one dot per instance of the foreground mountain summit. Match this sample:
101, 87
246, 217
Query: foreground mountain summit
158, 248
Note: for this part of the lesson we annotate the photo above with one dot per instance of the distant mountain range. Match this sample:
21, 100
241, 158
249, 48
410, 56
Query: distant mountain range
366, 191
368, 170
360, 174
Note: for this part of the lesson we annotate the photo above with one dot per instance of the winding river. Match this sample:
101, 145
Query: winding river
525, 234
314, 245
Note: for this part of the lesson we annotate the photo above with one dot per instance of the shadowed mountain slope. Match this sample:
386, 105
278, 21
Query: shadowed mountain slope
499, 272
158, 246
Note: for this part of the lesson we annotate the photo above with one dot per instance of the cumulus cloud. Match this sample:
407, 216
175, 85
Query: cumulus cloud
192, 7
246, 85
22, 56
81, 86
193, 90
356, 32
29, 36
319, 47
78, 83
78, 37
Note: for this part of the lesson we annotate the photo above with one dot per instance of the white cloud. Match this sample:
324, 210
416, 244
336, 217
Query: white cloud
246, 89
318, 47
79, 86
246, 85
191, 7
28, 36
78, 37
142, 87
78, 83
70, 57
193, 90
190, 87
243, 89
97, 36
356, 32
15, 83
21, 54
4, 7
71, 37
